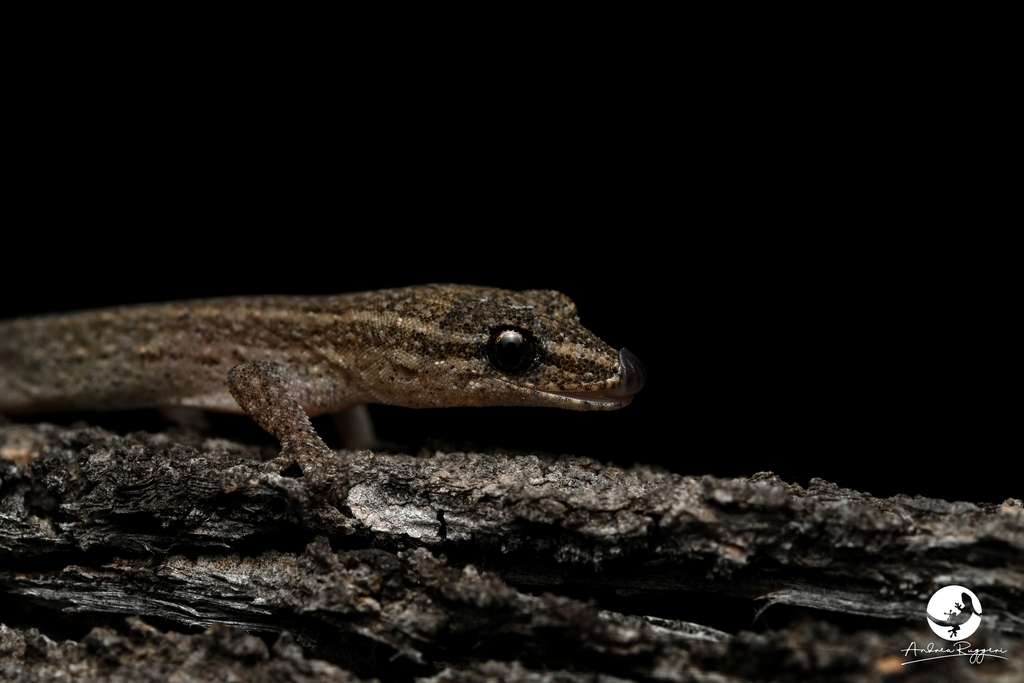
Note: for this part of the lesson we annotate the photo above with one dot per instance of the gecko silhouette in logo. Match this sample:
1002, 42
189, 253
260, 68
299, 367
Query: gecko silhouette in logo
964, 613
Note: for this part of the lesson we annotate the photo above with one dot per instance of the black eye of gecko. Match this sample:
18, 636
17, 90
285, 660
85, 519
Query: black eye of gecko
511, 350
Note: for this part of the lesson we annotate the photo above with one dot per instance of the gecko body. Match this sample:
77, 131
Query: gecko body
281, 359
419, 347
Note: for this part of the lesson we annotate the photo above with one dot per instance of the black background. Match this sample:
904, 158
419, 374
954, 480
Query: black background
804, 266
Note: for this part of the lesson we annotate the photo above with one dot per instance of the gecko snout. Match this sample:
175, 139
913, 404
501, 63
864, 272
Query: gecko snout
632, 372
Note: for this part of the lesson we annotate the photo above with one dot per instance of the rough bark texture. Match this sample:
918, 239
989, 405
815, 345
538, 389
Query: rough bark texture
153, 555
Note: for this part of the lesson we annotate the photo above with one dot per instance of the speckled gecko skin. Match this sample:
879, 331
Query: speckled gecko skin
419, 347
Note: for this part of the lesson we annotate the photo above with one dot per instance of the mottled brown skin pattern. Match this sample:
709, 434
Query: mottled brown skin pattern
417, 347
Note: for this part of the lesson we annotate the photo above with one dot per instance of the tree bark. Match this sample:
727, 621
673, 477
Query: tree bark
469, 566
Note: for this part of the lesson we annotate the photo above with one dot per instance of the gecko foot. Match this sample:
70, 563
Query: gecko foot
261, 390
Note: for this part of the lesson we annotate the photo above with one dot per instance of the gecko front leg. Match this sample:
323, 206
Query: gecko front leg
264, 391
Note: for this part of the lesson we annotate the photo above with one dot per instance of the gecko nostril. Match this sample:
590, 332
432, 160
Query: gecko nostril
633, 374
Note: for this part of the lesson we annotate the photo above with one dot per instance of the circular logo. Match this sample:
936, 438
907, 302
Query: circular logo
954, 612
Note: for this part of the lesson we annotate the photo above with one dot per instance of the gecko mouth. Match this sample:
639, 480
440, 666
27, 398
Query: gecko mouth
632, 374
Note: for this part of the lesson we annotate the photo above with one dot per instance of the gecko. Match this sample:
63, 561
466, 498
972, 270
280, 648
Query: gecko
284, 359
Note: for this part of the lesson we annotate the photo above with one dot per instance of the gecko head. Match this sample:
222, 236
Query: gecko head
573, 384
489, 347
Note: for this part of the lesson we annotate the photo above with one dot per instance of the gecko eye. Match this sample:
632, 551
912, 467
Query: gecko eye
511, 350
